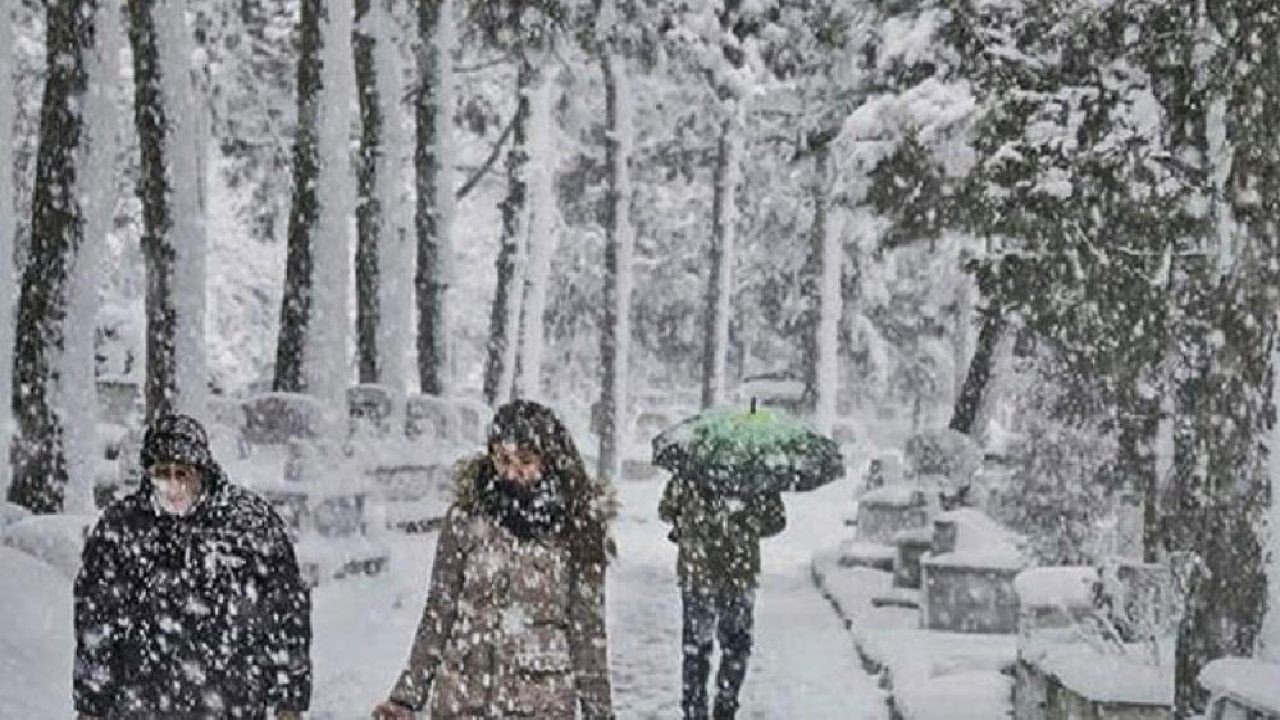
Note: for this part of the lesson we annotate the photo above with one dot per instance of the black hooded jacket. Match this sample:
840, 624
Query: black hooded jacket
201, 615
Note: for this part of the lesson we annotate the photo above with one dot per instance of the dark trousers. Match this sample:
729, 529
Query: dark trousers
726, 616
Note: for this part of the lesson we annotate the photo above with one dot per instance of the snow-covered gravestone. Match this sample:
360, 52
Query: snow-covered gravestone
970, 587
1242, 689
321, 497
429, 419
370, 408
882, 514
1053, 604
418, 486
1081, 653
277, 418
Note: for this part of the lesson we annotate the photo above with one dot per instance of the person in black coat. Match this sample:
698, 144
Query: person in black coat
189, 602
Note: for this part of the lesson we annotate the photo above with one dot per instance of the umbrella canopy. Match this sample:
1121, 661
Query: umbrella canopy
742, 452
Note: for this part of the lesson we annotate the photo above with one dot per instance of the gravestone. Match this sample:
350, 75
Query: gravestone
910, 546
276, 418
370, 408
430, 417
119, 401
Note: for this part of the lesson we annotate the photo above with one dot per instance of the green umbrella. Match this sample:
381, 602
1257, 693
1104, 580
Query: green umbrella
749, 451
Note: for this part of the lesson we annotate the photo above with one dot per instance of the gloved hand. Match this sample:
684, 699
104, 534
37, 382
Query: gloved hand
392, 710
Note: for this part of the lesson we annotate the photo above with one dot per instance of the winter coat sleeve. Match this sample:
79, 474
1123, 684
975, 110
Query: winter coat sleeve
669, 506
437, 617
288, 602
100, 619
589, 640
764, 515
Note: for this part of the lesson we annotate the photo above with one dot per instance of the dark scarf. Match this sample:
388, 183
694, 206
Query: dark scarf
528, 512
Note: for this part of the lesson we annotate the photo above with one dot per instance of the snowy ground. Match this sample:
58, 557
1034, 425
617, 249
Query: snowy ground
804, 664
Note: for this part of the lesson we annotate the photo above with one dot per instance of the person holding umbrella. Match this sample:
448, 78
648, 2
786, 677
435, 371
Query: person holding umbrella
718, 565
728, 472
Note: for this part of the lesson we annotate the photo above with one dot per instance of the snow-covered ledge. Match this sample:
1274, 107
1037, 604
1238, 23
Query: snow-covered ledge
1066, 668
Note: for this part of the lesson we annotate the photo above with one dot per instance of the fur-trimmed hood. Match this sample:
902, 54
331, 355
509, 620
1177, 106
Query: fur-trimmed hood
597, 499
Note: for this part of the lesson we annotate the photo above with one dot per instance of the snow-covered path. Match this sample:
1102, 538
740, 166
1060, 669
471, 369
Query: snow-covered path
804, 665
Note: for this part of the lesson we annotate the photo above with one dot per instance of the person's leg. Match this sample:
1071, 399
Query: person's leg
697, 636
736, 616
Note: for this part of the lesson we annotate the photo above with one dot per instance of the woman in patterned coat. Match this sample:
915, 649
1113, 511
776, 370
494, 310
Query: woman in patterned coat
514, 622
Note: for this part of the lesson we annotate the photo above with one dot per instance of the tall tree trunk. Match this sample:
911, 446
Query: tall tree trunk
151, 118
821, 291
1227, 329
295, 305
76, 395
505, 313
975, 382
367, 207
830, 311
168, 117
8, 274
1220, 491
395, 322
434, 210
541, 243
57, 227
720, 274
326, 361
1139, 424
615, 334
184, 152
1269, 646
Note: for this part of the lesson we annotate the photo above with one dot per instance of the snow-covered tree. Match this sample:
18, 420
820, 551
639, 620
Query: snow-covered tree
171, 130
528, 31
395, 206
59, 219
615, 330
544, 217
7, 227
433, 170
368, 215
1221, 106
311, 354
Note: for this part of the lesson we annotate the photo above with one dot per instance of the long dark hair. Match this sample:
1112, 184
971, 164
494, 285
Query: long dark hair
588, 507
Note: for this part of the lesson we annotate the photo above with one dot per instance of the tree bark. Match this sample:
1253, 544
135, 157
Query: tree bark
541, 245
434, 209
57, 227
720, 279
975, 382
811, 279
615, 332
7, 270
295, 305
1139, 423
504, 314
151, 119
368, 209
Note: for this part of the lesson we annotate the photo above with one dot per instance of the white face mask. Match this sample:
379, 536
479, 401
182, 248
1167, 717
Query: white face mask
174, 497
